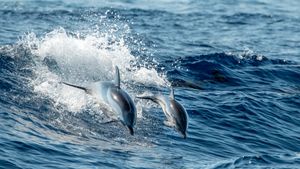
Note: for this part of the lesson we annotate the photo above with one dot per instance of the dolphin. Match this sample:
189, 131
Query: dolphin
118, 99
175, 113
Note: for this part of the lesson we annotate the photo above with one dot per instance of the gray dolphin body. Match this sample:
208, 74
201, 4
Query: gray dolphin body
175, 113
117, 98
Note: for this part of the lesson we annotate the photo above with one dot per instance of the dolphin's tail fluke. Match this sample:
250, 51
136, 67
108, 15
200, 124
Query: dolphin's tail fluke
78, 87
130, 130
152, 98
158, 99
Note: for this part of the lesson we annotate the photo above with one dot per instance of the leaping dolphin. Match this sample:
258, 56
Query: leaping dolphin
175, 113
117, 98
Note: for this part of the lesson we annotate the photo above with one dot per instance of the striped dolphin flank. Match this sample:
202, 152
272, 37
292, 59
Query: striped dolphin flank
118, 99
176, 115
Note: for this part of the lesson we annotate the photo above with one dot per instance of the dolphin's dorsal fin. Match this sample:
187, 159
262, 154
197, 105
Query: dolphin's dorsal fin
172, 94
117, 77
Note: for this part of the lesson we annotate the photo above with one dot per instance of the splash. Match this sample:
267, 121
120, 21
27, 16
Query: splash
81, 59
246, 54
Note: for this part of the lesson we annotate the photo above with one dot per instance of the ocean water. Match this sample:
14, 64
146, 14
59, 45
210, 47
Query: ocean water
234, 66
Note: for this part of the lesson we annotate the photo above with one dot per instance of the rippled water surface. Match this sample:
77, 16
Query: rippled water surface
234, 66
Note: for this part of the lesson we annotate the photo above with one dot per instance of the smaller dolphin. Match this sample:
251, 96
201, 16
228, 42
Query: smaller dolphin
175, 113
117, 98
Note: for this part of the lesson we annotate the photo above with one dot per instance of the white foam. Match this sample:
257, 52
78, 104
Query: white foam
149, 76
82, 59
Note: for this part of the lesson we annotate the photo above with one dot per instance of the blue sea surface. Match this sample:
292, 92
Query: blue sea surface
234, 65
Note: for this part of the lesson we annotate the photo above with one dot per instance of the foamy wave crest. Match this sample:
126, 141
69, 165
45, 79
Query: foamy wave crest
81, 59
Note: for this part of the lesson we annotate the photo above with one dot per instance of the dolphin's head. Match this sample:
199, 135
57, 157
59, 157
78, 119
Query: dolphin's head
124, 106
180, 117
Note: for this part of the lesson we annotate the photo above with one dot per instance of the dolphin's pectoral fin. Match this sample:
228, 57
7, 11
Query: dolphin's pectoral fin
110, 121
122, 122
79, 87
168, 123
117, 77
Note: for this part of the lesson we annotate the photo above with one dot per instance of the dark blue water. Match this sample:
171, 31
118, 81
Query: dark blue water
234, 66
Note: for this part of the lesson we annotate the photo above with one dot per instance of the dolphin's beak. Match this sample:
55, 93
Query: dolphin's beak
130, 130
